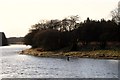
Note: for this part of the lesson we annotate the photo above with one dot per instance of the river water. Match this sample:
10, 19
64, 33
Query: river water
14, 65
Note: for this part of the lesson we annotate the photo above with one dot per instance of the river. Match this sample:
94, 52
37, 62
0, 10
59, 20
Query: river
15, 65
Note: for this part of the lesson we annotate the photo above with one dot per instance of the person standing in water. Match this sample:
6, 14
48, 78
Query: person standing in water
68, 58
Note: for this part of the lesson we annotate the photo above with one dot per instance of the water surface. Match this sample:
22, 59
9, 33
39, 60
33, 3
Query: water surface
15, 65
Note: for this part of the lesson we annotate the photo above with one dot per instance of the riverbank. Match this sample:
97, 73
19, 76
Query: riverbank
97, 54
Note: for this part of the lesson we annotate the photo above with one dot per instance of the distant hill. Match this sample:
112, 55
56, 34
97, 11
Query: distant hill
15, 40
3, 39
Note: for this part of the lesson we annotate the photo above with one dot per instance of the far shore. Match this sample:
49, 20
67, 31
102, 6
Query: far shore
97, 54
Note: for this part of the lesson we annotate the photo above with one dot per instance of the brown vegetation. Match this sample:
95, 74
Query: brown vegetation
102, 54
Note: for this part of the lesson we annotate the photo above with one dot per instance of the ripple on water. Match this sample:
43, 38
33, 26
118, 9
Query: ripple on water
25, 66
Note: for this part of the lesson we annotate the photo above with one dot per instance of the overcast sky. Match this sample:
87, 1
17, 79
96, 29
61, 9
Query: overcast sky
17, 16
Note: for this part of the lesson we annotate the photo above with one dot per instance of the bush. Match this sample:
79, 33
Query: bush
47, 39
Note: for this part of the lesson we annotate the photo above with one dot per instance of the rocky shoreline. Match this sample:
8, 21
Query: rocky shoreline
97, 54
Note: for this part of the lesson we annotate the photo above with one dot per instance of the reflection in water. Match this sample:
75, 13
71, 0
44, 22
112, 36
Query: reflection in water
15, 65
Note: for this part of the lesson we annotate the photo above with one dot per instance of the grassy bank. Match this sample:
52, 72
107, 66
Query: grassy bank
102, 54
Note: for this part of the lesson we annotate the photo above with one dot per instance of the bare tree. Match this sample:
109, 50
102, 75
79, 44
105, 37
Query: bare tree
116, 14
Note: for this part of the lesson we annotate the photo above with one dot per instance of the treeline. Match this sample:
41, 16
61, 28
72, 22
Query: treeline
72, 34
15, 40
3, 39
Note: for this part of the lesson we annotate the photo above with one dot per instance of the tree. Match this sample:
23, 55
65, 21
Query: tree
47, 40
28, 39
116, 14
69, 23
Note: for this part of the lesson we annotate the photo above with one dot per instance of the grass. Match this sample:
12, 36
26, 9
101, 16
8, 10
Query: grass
102, 54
